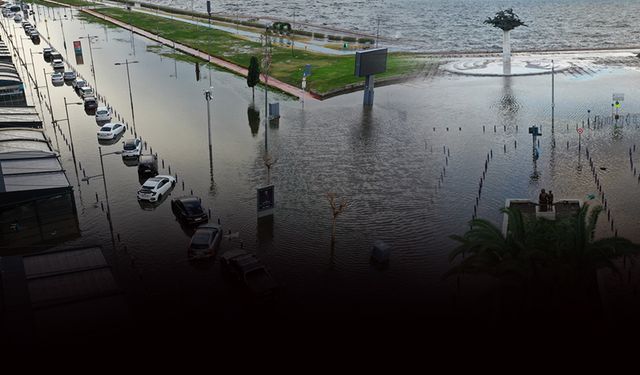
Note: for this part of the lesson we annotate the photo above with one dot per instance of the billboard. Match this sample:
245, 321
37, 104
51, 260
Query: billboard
266, 200
369, 62
77, 47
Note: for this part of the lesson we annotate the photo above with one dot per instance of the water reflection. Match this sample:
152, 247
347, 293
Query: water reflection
150, 206
509, 104
254, 119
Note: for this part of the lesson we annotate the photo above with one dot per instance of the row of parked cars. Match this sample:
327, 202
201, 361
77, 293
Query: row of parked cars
206, 238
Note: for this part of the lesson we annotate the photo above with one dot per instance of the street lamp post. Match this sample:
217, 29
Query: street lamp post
73, 150
89, 39
48, 95
207, 96
133, 117
104, 182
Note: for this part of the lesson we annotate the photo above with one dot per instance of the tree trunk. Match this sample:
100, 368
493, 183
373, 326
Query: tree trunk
253, 93
506, 52
333, 230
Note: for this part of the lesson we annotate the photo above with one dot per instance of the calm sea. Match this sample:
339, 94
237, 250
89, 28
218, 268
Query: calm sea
456, 25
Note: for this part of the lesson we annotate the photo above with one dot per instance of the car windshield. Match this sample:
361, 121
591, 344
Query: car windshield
102, 112
193, 206
130, 145
106, 128
200, 240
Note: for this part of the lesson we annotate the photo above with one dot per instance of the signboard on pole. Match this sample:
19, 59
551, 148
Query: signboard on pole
265, 200
77, 47
580, 130
208, 7
307, 70
618, 97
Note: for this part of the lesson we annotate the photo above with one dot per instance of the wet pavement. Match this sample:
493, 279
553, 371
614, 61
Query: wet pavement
409, 167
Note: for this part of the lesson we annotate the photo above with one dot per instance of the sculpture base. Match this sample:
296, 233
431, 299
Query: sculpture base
492, 67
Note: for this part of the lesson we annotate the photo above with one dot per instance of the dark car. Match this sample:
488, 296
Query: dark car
148, 165
205, 241
248, 270
189, 210
46, 53
90, 103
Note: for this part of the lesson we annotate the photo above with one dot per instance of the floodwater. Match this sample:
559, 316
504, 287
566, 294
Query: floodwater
445, 25
386, 161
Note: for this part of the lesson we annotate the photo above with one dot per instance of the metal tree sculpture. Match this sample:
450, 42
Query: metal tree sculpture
505, 20
336, 209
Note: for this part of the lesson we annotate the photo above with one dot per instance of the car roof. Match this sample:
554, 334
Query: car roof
103, 108
188, 198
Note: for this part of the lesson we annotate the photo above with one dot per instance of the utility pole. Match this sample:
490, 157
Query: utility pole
209, 32
266, 62
207, 97
133, 116
553, 103
93, 70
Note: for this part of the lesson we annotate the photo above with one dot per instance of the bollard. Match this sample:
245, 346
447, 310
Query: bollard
118, 237
483, 128
191, 190
209, 212
448, 152
460, 129
505, 148
219, 224
494, 128
515, 144
447, 128
96, 197
169, 169
162, 163
505, 127
182, 184
102, 206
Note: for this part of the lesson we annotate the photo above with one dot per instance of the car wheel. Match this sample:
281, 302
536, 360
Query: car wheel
173, 183
159, 198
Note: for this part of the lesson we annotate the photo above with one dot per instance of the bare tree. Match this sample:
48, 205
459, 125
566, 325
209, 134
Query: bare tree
336, 209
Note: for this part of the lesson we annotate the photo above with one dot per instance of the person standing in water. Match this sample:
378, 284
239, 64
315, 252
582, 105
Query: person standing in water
542, 201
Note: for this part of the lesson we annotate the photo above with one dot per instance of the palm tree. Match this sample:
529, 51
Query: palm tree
552, 263
505, 20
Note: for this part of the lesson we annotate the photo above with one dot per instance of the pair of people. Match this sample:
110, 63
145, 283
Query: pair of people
545, 200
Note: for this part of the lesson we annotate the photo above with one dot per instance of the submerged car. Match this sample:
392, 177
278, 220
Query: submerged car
103, 114
69, 75
57, 78
205, 241
111, 130
85, 91
156, 187
248, 270
189, 210
131, 148
57, 64
78, 83
90, 103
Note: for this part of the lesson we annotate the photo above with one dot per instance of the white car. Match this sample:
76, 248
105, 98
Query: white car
111, 130
17, 18
57, 78
103, 114
154, 188
131, 148
57, 64
69, 75
78, 83
85, 91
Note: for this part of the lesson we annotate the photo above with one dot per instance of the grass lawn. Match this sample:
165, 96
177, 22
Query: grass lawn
329, 72
78, 3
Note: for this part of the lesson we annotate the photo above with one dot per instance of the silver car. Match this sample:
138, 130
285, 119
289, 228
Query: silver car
69, 75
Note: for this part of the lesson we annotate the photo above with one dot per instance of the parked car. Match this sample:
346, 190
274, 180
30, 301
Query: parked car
85, 91
111, 130
17, 18
248, 270
90, 103
46, 53
131, 148
78, 83
57, 78
103, 114
156, 187
56, 55
189, 210
147, 166
57, 64
69, 75
205, 241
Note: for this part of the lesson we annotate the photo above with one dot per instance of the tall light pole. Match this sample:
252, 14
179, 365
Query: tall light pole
553, 102
73, 149
90, 39
266, 66
104, 181
48, 95
209, 32
207, 96
133, 117
64, 40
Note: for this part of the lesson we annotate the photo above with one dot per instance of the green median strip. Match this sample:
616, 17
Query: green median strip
329, 72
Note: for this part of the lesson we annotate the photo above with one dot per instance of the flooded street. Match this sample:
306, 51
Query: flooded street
409, 167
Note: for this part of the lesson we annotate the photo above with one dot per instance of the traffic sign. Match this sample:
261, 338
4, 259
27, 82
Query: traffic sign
580, 130
617, 97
